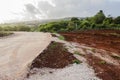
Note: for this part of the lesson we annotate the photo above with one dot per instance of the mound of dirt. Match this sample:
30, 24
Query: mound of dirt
55, 56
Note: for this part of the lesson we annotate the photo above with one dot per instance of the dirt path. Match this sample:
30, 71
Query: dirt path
18, 51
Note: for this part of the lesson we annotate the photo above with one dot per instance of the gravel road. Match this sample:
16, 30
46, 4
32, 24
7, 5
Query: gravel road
18, 51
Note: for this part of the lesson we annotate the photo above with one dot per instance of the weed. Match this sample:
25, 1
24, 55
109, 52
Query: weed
93, 50
64, 48
102, 62
61, 37
53, 45
78, 53
77, 61
3, 33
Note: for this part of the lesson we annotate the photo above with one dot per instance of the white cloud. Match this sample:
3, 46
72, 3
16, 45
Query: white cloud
17, 10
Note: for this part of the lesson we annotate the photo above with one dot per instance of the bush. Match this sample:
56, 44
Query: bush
15, 28
77, 61
61, 37
2, 33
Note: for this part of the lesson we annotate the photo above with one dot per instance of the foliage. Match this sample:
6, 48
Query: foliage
3, 33
78, 53
99, 17
117, 20
15, 28
77, 61
61, 37
99, 21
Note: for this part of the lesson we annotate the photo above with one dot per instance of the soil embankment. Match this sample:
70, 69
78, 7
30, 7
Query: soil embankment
54, 56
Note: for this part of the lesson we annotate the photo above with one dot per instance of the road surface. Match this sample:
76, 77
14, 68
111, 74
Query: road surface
18, 51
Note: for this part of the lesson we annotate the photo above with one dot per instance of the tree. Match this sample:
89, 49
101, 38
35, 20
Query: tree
108, 21
117, 20
99, 17
71, 25
75, 21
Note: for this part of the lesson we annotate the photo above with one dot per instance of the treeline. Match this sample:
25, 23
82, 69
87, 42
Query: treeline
99, 21
15, 28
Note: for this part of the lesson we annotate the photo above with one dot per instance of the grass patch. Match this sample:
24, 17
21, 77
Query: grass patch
61, 37
77, 61
3, 33
102, 62
78, 53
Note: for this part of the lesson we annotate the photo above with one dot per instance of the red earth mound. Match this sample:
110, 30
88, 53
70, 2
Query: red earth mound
55, 56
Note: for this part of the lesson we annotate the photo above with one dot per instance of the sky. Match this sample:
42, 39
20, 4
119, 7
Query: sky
27, 10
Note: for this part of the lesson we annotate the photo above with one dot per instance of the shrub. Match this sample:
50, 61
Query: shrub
61, 37
77, 61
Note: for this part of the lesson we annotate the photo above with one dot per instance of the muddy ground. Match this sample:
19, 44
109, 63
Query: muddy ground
108, 40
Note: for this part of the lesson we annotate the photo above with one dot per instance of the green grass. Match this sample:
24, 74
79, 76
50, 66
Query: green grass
78, 53
77, 61
61, 37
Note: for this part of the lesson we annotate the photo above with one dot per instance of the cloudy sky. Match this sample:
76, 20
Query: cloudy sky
21, 10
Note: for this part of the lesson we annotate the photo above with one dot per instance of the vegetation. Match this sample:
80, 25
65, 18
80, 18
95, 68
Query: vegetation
98, 21
77, 61
5, 33
78, 53
102, 62
61, 37
15, 28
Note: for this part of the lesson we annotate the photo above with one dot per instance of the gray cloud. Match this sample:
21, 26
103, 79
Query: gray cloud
32, 9
68, 8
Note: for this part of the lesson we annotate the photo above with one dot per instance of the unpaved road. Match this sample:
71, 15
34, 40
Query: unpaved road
18, 51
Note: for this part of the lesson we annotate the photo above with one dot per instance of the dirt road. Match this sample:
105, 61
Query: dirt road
18, 51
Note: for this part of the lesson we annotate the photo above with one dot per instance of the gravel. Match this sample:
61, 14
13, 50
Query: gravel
72, 72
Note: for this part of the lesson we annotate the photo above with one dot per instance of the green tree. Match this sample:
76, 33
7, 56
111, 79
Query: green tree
71, 25
99, 17
75, 21
117, 20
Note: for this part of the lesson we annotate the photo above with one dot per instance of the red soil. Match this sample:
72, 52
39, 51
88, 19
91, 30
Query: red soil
103, 39
108, 40
55, 56
104, 70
